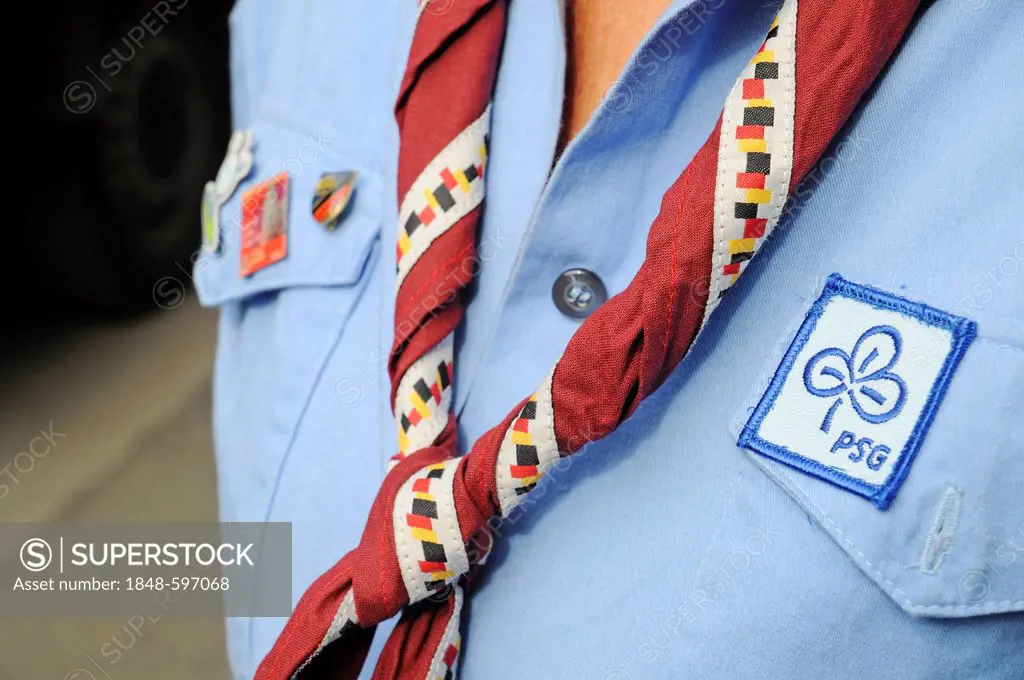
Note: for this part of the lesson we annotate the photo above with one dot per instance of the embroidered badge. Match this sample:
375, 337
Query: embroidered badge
331, 197
235, 167
264, 224
858, 388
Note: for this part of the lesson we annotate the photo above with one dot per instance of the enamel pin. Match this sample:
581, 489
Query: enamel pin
331, 197
235, 167
264, 224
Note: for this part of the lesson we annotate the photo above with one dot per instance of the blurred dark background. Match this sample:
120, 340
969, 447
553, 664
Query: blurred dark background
122, 114
117, 113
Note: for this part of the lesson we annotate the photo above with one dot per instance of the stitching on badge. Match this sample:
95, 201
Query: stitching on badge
963, 332
855, 366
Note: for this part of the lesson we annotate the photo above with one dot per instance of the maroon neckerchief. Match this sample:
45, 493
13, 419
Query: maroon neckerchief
428, 525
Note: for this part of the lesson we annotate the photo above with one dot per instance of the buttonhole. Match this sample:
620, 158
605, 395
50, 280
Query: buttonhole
940, 538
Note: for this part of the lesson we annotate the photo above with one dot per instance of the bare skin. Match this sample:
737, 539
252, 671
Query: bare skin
602, 35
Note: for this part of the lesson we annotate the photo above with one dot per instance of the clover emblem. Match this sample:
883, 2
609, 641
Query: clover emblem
863, 376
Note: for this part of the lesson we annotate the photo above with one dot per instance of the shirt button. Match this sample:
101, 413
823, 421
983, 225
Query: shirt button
578, 292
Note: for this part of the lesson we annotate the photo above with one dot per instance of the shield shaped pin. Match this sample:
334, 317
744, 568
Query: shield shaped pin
331, 197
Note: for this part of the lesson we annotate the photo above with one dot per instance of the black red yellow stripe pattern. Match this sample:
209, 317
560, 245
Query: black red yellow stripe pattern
755, 155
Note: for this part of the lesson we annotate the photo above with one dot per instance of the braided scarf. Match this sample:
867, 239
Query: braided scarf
427, 531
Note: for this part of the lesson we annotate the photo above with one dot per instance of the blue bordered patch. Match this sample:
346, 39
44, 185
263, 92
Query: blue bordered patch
858, 388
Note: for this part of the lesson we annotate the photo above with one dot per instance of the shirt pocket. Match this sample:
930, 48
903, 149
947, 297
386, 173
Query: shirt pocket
951, 545
280, 325
315, 256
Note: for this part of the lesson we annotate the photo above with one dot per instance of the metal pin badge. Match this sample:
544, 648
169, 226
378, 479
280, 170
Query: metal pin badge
235, 167
264, 224
331, 197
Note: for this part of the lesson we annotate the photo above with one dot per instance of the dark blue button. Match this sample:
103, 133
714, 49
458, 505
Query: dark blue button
578, 292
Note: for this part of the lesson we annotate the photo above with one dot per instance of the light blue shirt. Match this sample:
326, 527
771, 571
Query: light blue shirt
665, 550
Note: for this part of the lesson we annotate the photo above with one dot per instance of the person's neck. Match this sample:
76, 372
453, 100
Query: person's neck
601, 36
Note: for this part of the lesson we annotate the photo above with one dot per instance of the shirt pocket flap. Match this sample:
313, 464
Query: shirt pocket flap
316, 256
951, 544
